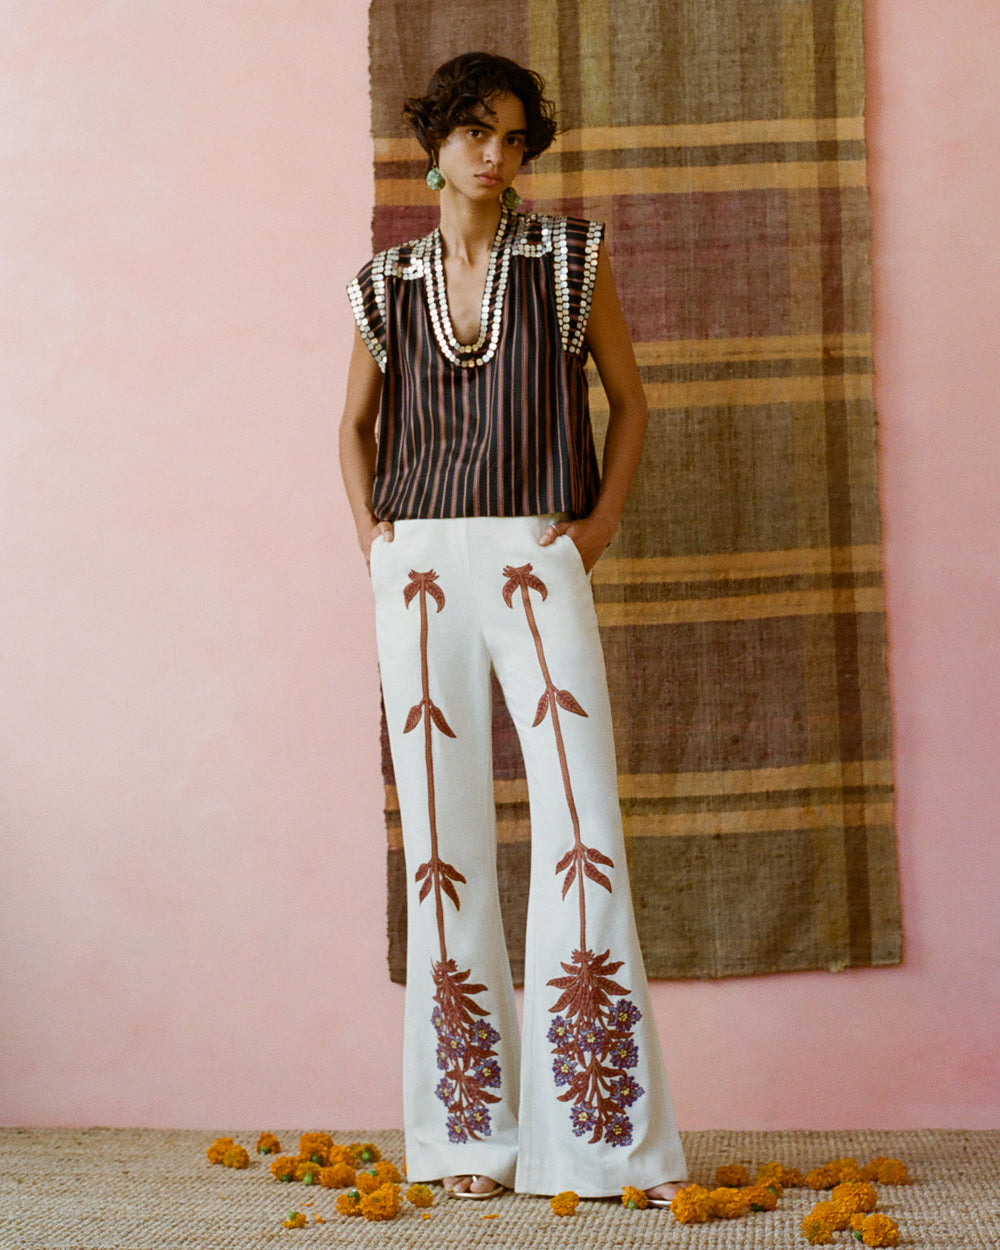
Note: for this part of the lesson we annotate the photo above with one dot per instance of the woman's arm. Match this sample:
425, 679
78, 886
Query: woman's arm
611, 347
357, 442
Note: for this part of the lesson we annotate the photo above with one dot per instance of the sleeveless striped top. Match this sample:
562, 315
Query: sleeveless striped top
499, 427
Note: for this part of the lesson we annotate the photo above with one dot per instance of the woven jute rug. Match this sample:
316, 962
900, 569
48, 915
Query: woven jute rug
722, 144
139, 1189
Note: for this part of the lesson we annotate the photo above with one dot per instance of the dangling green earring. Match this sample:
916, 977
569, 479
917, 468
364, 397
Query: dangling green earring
510, 199
435, 178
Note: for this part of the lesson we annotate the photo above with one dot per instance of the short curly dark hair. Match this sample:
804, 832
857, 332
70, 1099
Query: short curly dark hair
472, 80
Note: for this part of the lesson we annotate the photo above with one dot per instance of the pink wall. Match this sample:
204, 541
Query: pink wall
191, 925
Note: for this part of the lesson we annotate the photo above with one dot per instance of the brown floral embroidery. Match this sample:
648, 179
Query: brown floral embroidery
466, 1051
591, 1034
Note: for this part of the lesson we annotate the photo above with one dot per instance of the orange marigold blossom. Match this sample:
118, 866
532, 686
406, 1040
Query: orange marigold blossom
342, 1154
236, 1157
564, 1203
726, 1203
420, 1196
832, 1213
824, 1177
816, 1230
349, 1202
315, 1146
383, 1204
366, 1151
336, 1176
847, 1169
295, 1220
306, 1171
268, 1144
876, 1230
855, 1196
388, 1171
283, 1168
885, 1171
634, 1199
369, 1180
218, 1148
691, 1205
732, 1175
761, 1197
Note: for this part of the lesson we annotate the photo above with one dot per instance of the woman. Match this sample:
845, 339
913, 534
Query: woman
470, 467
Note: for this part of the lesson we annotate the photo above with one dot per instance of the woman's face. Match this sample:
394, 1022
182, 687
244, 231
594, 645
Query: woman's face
480, 159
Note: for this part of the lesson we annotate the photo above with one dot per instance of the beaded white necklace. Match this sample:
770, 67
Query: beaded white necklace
470, 355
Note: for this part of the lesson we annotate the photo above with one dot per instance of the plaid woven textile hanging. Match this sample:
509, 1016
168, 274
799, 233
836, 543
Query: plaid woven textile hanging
722, 142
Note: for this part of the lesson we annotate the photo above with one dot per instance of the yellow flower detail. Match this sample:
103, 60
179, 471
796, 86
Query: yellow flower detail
295, 1220
727, 1203
283, 1168
336, 1176
218, 1148
236, 1157
824, 1177
885, 1171
365, 1151
268, 1144
564, 1203
855, 1196
818, 1231
832, 1213
877, 1230
316, 1146
383, 1204
762, 1197
634, 1199
691, 1205
732, 1175
349, 1202
420, 1196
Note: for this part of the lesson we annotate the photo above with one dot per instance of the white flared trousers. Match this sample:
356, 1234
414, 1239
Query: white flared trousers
580, 1101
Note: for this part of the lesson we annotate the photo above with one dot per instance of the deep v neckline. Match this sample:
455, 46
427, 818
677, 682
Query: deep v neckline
470, 355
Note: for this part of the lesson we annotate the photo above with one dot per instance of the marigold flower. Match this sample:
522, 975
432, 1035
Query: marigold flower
268, 1144
383, 1204
885, 1171
727, 1203
855, 1196
824, 1177
236, 1157
366, 1151
691, 1205
762, 1197
315, 1148
388, 1172
307, 1172
349, 1202
295, 1220
283, 1168
847, 1169
832, 1213
817, 1231
732, 1175
369, 1180
634, 1199
564, 1203
341, 1154
218, 1148
876, 1230
336, 1176
419, 1196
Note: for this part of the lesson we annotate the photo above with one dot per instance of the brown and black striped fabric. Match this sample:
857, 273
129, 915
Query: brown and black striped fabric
722, 143
501, 427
